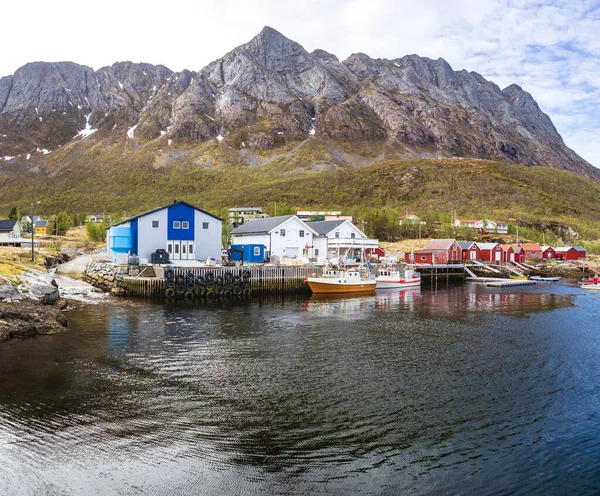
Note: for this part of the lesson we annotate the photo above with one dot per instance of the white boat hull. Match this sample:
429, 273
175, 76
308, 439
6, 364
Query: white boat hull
591, 286
397, 283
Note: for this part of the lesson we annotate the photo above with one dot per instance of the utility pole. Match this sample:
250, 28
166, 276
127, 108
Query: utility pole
33, 204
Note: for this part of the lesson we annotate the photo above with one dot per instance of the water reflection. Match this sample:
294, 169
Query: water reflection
452, 302
404, 390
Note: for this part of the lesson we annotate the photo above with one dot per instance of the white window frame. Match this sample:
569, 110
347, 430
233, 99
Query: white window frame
256, 251
301, 233
282, 232
185, 224
205, 225
155, 224
176, 224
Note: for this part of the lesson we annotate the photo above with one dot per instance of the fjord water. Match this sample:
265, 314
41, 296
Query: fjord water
460, 390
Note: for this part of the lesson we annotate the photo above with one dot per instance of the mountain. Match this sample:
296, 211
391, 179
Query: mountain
266, 103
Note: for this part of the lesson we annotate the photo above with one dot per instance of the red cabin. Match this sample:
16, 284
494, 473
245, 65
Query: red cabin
570, 252
374, 252
532, 250
518, 255
437, 251
469, 250
549, 253
508, 253
491, 252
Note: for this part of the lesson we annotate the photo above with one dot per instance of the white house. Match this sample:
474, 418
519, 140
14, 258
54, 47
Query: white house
284, 237
10, 232
186, 232
339, 238
307, 215
241, 215
483, 225
26, 219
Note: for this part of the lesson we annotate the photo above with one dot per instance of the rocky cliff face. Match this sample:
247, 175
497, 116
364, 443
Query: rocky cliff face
272, 88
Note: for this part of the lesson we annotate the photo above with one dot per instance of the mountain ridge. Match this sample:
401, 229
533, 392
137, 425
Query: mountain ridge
271, 92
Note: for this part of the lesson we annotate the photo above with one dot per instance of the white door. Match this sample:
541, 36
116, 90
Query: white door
291, 251
180, 250
473, 255
512, 257
497, 256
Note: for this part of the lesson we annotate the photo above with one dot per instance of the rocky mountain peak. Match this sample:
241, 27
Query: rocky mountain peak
270, 91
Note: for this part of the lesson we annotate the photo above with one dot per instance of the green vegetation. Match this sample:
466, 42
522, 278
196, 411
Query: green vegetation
96, 231
374, 185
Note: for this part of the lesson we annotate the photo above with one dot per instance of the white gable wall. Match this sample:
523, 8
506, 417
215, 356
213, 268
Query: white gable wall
345, 231
291, 245
151, 238
207, 241
320, 244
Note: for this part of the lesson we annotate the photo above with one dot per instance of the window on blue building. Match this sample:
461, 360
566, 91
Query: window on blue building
176, 224
185, 225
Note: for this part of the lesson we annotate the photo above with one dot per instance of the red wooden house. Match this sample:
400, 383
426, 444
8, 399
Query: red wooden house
470, 250
518, 255
508, 253
437, 251
532, 250
491, 252
570, 252
374, 252
548, 252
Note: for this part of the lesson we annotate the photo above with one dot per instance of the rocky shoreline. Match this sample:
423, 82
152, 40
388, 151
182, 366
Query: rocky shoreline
29, 317
33, 303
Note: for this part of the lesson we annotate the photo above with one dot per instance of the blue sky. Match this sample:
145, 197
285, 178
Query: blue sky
550, 48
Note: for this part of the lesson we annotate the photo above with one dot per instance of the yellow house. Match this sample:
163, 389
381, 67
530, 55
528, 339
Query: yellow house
42, 228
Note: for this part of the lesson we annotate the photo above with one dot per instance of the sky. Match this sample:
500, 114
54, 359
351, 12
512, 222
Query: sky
550, 48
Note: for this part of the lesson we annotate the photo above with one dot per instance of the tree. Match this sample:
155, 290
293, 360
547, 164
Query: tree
63, 223
14, 214
96, 231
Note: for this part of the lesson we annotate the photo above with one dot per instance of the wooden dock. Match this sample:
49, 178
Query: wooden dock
496, 282
210, 282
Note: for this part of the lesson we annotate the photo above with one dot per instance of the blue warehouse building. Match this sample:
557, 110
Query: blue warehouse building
184, 231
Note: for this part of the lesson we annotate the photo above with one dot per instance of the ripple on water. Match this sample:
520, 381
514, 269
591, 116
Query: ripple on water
455, 391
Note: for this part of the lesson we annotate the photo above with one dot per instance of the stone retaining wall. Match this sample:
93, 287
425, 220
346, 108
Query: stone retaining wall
105, 276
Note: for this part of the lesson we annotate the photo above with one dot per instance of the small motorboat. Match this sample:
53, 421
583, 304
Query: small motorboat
341, 280
388, 277
544, 279
591, 283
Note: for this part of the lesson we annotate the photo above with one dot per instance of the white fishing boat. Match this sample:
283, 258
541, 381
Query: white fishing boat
389, 277
341, 280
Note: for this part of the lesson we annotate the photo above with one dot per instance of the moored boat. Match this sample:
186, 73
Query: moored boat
388, 277
544, 279
341, 280
592, 283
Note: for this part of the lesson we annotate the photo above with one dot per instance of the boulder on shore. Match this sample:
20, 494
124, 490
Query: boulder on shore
29, 318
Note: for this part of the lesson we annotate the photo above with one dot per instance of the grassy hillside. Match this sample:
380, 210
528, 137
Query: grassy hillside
372, 183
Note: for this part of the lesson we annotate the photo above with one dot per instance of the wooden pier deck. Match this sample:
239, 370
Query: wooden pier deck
191, 283
496, 282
